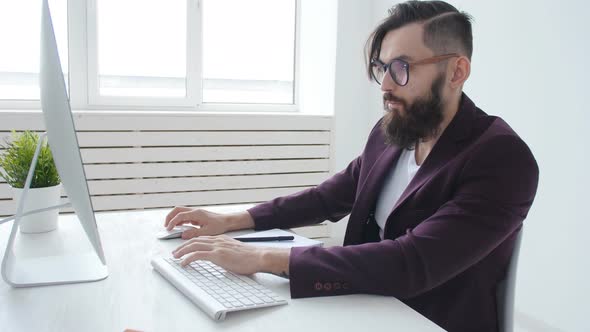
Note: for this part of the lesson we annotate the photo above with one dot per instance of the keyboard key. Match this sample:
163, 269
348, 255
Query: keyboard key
256, 300
236, 304
231, 291
246, 301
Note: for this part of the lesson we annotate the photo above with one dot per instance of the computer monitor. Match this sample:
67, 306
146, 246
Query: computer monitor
66, 267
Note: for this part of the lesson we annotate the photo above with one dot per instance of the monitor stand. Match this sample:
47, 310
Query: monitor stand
63, 256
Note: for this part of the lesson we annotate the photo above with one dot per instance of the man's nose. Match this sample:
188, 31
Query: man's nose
388, 84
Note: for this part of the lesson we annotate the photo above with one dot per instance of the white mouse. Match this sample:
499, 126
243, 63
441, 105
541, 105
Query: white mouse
176, 232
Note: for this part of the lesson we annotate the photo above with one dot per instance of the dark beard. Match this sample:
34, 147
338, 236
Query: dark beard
421, 120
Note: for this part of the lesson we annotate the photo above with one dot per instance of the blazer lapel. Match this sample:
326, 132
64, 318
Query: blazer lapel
446, 148
376, 175
367, 196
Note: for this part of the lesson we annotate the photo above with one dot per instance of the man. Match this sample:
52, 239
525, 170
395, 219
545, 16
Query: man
436, 199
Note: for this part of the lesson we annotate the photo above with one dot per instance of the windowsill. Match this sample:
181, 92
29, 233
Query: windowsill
169, 112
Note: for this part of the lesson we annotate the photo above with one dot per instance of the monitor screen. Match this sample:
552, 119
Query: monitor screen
61, 133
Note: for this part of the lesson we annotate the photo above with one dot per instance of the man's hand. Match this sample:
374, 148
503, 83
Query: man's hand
234, 255
210, 223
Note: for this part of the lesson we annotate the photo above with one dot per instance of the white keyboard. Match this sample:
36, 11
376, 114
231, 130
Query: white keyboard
215, 290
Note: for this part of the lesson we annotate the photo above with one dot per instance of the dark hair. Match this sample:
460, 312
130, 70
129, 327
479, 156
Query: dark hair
446, 30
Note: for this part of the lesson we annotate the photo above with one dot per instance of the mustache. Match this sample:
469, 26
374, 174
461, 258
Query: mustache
388, 96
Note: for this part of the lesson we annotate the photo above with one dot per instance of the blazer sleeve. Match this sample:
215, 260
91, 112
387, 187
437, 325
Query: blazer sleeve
495, 191
331, 200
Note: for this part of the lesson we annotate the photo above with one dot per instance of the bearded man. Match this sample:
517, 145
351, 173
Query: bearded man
436, 199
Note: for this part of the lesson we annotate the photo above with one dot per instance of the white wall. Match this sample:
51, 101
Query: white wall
352, 89
542, 96
317, 64
530, 67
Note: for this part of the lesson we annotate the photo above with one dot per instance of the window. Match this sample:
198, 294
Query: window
194, 54
248, 56
20, 22
141, 48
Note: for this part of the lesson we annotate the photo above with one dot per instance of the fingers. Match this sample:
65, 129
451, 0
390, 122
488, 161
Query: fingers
191, 233
199, 255
205, 243
174, 212
227, 253
192, 247
195, 250
182, 218
200, 231
201, 239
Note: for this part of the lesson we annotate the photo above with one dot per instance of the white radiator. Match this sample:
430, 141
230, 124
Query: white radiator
136, 160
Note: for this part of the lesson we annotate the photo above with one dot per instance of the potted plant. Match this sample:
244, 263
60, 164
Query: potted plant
45, 188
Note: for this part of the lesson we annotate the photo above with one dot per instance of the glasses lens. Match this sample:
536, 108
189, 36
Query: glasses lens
378, 71
399, 71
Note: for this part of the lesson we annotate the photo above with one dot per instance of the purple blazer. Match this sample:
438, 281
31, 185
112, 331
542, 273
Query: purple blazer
448, 239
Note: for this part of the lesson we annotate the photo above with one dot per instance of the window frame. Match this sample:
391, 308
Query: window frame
83, 70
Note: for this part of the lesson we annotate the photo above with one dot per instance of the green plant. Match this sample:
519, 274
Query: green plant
16, 160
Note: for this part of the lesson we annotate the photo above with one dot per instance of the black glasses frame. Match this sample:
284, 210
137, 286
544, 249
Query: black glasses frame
386, 67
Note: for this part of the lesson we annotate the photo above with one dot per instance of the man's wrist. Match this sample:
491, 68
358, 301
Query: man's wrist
275, 261
238, 221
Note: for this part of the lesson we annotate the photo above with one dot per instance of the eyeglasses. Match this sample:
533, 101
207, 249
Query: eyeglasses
399, 69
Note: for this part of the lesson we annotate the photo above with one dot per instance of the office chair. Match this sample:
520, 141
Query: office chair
505, 291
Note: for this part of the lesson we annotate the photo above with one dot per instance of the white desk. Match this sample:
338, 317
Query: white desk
135, 296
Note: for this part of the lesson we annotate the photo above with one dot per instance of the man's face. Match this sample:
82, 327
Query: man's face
414, 111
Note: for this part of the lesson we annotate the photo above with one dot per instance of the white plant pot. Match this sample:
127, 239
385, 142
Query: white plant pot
39, 198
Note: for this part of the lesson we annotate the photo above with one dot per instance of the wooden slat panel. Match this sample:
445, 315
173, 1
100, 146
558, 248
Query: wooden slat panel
180, 169
118, 155
215, 152
7, 208
162, 185
197, 138
203, 198
124, 202
128, 120
5, 191
122, 171
106, 187
98, 139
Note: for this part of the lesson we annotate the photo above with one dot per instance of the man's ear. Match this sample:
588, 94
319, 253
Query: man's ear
460, 71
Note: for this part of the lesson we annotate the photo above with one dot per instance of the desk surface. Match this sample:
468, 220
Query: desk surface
135, 296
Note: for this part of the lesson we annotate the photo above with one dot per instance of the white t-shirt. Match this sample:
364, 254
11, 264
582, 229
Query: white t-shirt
396, 182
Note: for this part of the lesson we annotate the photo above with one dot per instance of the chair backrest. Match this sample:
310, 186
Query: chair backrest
505, 291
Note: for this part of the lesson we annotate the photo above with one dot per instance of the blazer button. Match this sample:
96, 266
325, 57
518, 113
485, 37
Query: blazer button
328, 286
345, 285
337, 286
318, 286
